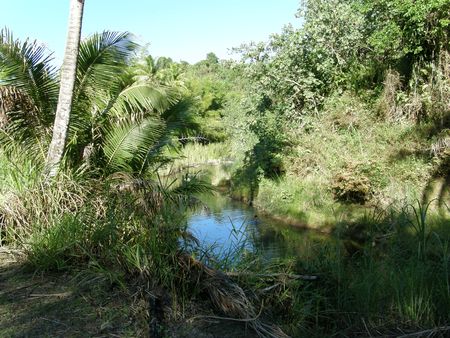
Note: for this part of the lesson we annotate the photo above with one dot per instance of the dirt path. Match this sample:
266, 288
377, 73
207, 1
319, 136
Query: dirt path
34, 305
77, 305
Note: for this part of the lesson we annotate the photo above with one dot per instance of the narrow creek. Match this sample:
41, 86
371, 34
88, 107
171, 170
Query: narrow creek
225, 226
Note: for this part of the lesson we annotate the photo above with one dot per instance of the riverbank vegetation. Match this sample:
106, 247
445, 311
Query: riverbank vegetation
341, 125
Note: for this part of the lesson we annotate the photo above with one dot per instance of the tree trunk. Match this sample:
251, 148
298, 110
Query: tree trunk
67, 83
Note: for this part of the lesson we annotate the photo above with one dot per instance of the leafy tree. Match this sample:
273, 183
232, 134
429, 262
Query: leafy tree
344, 45
211, 59
397, 28
116, 122
208, 89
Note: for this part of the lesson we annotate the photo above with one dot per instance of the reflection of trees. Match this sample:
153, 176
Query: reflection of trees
264, 235
287, 241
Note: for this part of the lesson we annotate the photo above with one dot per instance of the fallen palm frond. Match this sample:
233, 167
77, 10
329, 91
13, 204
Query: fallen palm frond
271, 275
427, 333
227, 296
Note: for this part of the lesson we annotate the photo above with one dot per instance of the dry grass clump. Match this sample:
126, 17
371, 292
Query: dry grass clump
351, 185
351, 189
426, 96
397, 105
442, 145
24, 211
387, 104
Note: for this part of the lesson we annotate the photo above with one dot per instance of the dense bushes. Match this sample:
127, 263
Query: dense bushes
336, 94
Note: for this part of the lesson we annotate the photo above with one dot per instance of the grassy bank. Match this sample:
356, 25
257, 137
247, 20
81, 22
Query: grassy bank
118, 233
384, 270
385, 274
346, 160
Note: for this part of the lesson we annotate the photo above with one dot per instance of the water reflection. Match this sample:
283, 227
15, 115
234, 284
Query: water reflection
224, 226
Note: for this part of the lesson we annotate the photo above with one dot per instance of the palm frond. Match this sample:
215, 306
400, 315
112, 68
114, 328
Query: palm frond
139, 99
193, 184
18, 133
102, 59
144, 69
102, 64
27, 66
127, 143
179, 119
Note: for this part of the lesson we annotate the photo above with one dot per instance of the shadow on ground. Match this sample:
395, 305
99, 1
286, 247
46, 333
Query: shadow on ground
75, 305
34, 305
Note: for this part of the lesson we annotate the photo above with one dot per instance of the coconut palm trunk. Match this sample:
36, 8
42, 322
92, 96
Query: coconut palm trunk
67, 83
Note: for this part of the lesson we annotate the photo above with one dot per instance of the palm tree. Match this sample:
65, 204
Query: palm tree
160, 70
116, 122
68, 75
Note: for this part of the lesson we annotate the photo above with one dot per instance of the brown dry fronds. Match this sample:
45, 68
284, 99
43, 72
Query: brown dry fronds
440, 90
227, 296
13, 99
412, 109
441, 145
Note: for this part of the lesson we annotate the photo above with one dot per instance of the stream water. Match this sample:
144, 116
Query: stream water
226, 226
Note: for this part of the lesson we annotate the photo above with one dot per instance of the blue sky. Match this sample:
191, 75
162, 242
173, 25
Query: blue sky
181, 29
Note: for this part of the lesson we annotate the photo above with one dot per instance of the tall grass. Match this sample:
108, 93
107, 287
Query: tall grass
381, 287
386, 271
28, 203
418, 222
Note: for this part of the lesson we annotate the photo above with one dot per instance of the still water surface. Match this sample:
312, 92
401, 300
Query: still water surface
224, 225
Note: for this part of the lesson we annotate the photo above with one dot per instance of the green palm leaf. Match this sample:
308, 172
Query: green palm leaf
179, 119
102, 65
27, 67
101, 61
127, 143
139, 99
